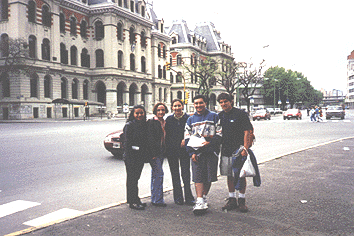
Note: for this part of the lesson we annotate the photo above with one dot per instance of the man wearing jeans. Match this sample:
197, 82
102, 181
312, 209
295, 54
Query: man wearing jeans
203, 136
237, 131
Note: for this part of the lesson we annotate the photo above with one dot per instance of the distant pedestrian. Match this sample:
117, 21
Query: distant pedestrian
177, 155
317, 114
156, 141
312, 115
135, 154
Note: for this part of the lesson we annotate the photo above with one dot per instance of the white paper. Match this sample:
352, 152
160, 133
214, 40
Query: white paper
196, 142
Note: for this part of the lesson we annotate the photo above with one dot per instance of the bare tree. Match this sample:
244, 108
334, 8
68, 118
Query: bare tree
229, 76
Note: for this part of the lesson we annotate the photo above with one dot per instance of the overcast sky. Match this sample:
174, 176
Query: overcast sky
312, 37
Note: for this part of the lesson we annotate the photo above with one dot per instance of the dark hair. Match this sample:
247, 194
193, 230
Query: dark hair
223, 96
158, 104
176, 100
131, 115
202, 97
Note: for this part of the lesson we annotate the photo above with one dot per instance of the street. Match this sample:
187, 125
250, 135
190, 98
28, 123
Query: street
63, 167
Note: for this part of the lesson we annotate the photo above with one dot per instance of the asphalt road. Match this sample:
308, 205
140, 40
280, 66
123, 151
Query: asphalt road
63, 165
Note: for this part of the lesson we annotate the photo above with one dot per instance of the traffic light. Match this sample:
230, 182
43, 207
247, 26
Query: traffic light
85, 104
186, 97
168, 66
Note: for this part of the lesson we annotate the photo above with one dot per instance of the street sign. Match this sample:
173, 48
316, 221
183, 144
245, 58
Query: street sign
125, 108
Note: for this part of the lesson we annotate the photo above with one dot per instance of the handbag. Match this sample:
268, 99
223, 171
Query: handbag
247, 169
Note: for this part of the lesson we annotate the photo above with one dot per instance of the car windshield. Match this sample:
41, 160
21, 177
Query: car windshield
334, 108
292, 110
260, 111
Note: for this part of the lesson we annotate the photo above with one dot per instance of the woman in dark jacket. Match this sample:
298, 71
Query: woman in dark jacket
176, 154
135, 154
156, 140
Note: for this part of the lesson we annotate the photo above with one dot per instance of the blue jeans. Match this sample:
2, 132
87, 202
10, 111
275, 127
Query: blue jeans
157, 180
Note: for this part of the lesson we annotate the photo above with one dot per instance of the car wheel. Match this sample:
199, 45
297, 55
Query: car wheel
284, 118
342, 118
327, 118
269, 118
254, 119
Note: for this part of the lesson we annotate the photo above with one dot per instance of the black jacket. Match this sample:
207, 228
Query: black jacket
155, 134
174, 135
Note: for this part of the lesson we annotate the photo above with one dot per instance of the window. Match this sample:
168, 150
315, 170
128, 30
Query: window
137, 8
33, 86
178, 78
159, 72
4, 9
4, 45
85, 89
85, 58
120, 31
164, 51
120, 3
142, 11
83, 29
159, 50
46, 16
143, 39
64, 86
171, 77
143, 64
73, 55
63, 54
46, 49
32, 46
47, 87
31, 11
72, 26
62, 23
5, 82
74, 89
99, 30
132, 6
120, 59
131, 36
170, 60
179, 60
132, 62
164, 72
126, 3
99, 58
179, 95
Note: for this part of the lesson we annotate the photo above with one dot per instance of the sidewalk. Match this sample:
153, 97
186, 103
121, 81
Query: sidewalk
306, 193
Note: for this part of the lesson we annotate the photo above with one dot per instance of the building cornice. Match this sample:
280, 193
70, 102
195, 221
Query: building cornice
161, 36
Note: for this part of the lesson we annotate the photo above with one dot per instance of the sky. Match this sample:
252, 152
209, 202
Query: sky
312, 37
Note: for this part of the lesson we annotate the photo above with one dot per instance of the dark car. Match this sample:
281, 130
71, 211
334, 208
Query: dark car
114, 143
335, 111
261, 114
292, 113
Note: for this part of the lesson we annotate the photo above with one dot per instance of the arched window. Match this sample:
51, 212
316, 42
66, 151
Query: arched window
159, 72
101, 92
174, 40
120, 31
120, 3
132, 62
85, 89
32, 46
137, 8
126, 3
83, 29
132, 6
4, 9
85, 58
47, 86
73, 26
164, 72
171, 78
74, 89
159, 50
178, 77
62, 22
73, 55
142, 11
99, 30
4, 45
64, 88
179, 95
164, 51
131, 36
46, 16
143, 39
63, 54
179, 59
99, 58
120, 59
46, 49
34, 86
143, 64
5, 82
31, 11
170, 60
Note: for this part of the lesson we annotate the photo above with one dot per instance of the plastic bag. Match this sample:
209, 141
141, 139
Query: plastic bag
247, 169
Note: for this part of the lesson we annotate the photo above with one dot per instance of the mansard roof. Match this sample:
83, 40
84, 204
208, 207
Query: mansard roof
180, 27
208, 31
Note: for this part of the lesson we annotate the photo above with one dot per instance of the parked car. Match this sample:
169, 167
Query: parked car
271, 111
277, 111
292, 113
261, 114
113, 143
335, 111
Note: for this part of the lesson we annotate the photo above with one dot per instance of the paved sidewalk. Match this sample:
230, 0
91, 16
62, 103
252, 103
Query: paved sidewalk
306, 193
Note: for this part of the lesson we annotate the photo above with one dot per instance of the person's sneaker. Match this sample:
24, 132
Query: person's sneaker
230, 204
242, 205
205, 201
199, 208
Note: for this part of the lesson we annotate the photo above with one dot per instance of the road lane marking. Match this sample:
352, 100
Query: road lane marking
54, 216
16, 206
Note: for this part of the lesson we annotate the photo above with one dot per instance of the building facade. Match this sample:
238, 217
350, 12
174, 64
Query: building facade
349, 100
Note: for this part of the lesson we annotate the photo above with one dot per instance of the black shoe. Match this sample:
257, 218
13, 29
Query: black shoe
159, 204
190, 203
136, 206
242, 205
143, 204
230, 204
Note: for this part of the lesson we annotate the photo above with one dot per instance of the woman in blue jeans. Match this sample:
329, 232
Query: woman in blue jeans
176, 154
156, 141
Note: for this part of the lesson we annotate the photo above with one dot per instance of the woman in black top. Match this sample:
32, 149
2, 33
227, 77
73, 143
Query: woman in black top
135, 154
176, 154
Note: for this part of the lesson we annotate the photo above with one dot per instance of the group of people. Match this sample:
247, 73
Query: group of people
201, 139
316, 114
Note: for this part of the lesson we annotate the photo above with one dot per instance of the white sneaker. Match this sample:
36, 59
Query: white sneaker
199, 207
205, 201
